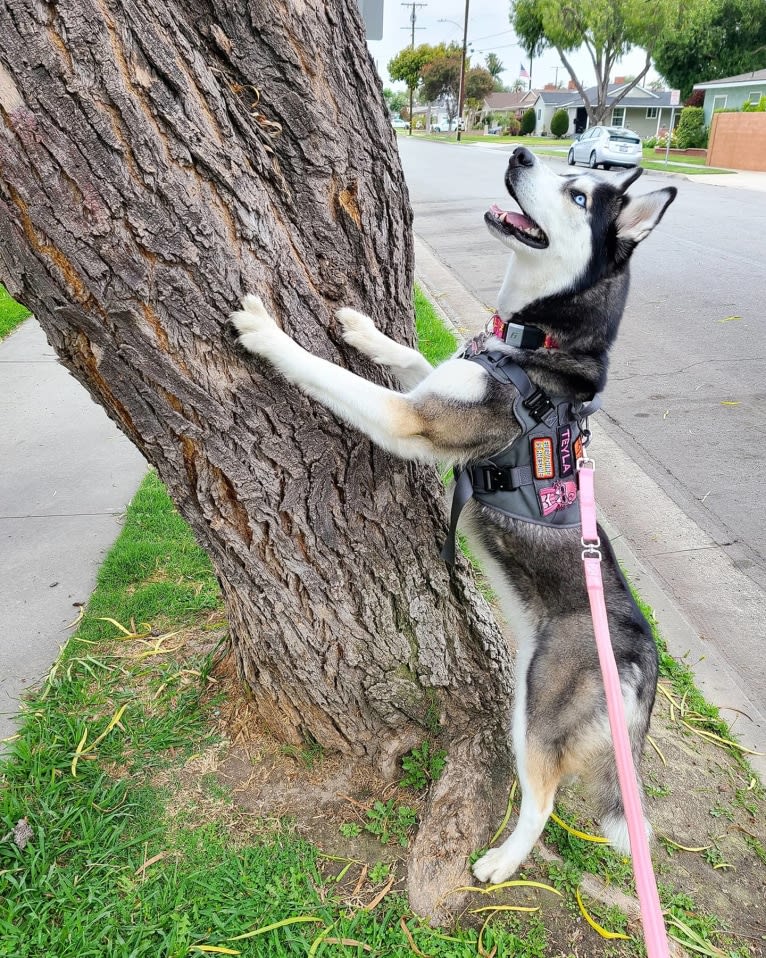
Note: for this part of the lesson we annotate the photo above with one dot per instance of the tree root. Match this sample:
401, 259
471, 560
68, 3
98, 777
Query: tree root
457, 821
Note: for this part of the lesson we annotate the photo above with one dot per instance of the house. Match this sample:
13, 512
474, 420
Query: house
642, 110
732, 93
503, 106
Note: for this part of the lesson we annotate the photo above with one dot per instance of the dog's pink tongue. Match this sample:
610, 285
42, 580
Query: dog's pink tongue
515, 219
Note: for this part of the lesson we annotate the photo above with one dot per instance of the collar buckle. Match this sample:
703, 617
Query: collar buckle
518, 334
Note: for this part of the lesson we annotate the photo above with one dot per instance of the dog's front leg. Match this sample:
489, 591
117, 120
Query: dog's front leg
388, 418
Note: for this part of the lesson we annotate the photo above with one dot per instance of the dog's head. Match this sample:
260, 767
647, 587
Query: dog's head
573, 230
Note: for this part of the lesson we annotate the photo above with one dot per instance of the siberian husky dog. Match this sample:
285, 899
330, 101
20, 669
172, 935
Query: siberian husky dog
565, 291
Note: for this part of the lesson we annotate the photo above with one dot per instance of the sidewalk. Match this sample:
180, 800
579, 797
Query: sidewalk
66, 475
678, 569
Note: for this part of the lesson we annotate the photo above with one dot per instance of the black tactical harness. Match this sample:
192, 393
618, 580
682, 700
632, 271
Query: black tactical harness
534, 478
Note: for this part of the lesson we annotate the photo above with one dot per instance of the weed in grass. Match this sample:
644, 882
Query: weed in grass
311, 753
756, 847
349, 829
722, 811
389, 821
422, 766
585, 856
656, 791
379, 872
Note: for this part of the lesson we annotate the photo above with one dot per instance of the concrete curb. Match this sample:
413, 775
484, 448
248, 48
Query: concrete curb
632, 507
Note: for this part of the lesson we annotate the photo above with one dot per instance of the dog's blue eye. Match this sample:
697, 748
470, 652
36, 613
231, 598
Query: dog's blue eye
580, 198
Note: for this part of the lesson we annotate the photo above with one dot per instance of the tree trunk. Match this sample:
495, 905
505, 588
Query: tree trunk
158, 160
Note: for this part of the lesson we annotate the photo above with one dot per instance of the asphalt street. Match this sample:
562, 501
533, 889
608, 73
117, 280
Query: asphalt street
686, 394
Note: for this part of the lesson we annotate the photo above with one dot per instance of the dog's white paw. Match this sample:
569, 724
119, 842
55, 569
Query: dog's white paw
360, 332
495, 867
257, 330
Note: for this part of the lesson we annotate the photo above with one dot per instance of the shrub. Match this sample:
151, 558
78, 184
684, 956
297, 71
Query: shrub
559, 123
691, 130
697, 98
663, 141
528, 122
650, 142
759, 107
514, 126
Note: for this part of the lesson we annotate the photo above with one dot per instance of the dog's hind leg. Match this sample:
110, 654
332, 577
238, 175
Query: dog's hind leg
359, 331
539, 775
601, 776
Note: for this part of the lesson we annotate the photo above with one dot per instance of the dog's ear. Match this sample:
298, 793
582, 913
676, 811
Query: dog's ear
640, 214
624, 178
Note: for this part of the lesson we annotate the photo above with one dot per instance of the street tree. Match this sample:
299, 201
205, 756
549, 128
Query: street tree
407, 67
440, 79
157, 161
396, 101
478, 83
607, 29
719, 38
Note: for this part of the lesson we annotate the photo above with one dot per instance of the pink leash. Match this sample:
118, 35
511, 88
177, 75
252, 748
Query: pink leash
646, 885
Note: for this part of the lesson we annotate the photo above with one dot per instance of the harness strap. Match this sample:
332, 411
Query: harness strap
502, 368
461, 495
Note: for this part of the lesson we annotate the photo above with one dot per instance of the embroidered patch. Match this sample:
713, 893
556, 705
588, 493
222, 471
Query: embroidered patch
565, 451
578, 449
561, 495
542, 458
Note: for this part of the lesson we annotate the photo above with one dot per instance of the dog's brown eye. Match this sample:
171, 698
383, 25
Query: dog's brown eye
580, 198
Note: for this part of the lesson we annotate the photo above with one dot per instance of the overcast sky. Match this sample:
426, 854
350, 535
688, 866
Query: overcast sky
488, 31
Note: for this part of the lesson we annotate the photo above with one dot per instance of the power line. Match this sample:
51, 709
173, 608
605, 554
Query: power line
490, 35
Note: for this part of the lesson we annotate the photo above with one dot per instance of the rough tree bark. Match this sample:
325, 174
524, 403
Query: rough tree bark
158, 160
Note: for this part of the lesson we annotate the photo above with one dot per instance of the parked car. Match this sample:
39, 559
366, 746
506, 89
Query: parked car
495, 131
399, 124
606, 146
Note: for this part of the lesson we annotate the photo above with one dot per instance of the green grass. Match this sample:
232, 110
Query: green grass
435, 341
12, 314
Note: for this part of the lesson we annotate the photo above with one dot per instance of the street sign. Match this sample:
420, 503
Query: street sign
675, 97
372, 14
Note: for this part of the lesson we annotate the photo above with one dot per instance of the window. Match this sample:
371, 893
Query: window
719, 102
755, 97
651, 113
539, 114
618, 116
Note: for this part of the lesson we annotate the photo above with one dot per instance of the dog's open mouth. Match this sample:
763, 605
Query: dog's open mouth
520, 225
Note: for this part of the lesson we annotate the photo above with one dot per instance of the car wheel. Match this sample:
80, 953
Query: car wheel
592, 162
570, 158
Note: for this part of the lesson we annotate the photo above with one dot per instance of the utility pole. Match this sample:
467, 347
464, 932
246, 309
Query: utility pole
413, 18
461, 94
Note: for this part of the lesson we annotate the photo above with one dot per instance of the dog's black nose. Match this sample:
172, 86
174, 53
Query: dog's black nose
521, 156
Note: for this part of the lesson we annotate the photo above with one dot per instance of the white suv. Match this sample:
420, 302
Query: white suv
606, 146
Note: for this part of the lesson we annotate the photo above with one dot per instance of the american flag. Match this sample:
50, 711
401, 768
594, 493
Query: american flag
523, 72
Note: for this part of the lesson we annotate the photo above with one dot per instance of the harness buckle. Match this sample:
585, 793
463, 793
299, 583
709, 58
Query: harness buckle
538, 404
493, 479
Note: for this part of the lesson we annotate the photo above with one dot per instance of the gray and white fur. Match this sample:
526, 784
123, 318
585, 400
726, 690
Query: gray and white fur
568, 275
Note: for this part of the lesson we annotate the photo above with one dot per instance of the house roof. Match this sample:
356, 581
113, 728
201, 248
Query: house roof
509, 101
559, 97
638, 97
742, 79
